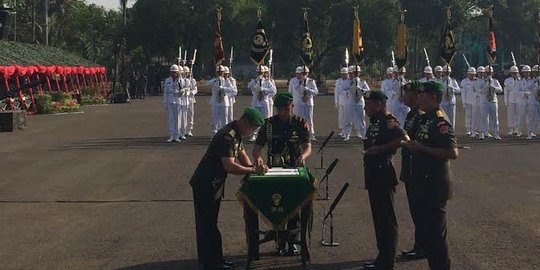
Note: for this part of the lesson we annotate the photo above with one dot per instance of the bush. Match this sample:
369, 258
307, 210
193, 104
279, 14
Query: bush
87, 100
90, 91
44, 103
60, 96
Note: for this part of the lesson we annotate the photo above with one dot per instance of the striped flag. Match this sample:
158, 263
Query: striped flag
307, 44
219, 53
448, 47
401, 46
358, 43
492, 45
259, 46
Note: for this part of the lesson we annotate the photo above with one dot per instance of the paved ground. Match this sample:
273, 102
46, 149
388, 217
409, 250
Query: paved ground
101, 190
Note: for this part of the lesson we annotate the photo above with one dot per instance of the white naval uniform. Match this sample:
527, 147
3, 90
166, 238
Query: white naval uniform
191, 104
468, 98
512, 102
488, 89
263, 90
303, 91
533, 107
399, 109
424, 79
232, 98
176, 101
341, 92
219, 102
525, 86
386, 88
448, 104
354, 111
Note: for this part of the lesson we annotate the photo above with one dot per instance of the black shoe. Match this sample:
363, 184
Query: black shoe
413, 254
374, 266
228, 263
218, 267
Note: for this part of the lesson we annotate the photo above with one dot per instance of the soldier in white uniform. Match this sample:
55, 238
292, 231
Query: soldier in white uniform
534, 106
438, 73
386, 87
400, 110
219, 101
341, 95
303, 92
175, 101
263, 90
526, 85
428, 75
354, 110
488, 89
193, 90
511, 100
450, 89
477, 108
231, 82
468, 97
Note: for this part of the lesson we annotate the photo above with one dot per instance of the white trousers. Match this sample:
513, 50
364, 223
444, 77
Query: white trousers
489, 117
400, 111
513, 116
306, 112
190, 117
533, 117
468, 117
354, 116
450, 111
476, 113
219, 117
230, 115
521, 116
341, 112
176, 119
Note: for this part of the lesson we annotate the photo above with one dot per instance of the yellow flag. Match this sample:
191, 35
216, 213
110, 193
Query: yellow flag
358, 43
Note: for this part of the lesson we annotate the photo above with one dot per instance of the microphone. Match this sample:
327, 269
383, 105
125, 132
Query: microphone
336, 201
326, 141
330, 169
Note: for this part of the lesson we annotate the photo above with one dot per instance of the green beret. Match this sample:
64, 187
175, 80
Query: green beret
253, 116
283, 99
431, 86
412, 86
375, 95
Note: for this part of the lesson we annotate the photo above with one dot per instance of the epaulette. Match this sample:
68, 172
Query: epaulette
420, 112
440, 114
232, 132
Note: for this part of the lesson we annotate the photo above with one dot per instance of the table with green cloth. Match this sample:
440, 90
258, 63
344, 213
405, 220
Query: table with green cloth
279, 196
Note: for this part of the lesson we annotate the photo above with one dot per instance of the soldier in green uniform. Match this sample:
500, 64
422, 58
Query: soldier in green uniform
411, 124
383, 138
287, 138
225, 155
432, 146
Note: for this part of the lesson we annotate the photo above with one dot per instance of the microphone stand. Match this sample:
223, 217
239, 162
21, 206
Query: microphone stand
321, 150
326, 176
330, 214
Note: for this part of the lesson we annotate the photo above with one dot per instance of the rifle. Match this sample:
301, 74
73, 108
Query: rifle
466, 61
231, 61
427, 57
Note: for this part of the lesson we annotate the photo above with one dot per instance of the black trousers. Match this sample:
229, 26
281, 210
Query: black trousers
209, 245
419, 242
433, 223
386, 228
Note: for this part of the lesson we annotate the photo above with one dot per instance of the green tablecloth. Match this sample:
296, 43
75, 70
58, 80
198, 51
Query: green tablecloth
278, 197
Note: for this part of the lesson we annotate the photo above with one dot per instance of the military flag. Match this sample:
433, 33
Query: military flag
358, 43
307, 44
401, 46
447, 45
492, 45
259, 46
219, 53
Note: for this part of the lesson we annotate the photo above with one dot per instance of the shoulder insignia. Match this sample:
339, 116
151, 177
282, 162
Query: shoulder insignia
420, 112
443, 127
232, 132
392, 123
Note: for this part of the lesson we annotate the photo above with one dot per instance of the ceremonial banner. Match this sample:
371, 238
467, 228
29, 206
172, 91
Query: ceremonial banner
279, 195
219, 53
401, 46
307, 44
448, 47
492, 46
358, 43
259, 46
